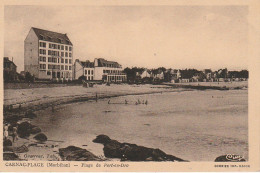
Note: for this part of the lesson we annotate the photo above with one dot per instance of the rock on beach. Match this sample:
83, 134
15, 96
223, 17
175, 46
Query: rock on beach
40, 137
30, 114
72, 153
24, 129
12, 118
7, 142
20, 149
132, 152
10, 156
35, 130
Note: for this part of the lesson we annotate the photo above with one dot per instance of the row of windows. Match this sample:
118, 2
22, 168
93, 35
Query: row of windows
89, 78
57, 67
42, 66
118, 78
53, 52
56, 46
57, 53
42, 44
59, 74
55, 60
112, 71
112, 65
89, 71
60, 47
42, 51
42, 58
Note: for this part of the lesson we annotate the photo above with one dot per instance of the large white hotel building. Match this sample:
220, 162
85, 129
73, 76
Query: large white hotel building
99, 70
48, 55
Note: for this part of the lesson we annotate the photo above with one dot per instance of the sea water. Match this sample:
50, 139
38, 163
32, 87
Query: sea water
193, 125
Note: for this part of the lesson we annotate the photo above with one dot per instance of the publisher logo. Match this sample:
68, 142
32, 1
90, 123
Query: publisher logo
234, 158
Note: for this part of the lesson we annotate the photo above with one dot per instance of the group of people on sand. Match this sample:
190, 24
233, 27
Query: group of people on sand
136, 103
139, 102
14, 133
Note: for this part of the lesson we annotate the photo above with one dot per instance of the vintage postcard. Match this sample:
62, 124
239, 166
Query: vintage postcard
130, 86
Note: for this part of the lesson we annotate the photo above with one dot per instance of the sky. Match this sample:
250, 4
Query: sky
144, 36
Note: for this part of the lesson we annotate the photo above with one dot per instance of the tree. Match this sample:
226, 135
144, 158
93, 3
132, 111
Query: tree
81, 78
29, 77
222, 73
243, 74
131, 73
188, 73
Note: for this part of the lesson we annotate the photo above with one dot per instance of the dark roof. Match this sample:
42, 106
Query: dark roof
103, 63
6, 60
52, 36
85, 63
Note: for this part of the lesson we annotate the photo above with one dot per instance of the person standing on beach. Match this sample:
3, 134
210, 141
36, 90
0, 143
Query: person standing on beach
15, 135
6, 134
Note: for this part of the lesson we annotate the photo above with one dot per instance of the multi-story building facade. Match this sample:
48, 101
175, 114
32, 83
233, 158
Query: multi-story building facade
99, 70
48, 55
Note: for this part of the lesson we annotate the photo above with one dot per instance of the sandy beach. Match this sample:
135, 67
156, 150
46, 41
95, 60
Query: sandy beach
65, 99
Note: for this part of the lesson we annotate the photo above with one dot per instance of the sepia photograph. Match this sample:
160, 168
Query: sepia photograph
118, 83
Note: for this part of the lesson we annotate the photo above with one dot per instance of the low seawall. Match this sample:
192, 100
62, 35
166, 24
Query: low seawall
198, 87
37, 85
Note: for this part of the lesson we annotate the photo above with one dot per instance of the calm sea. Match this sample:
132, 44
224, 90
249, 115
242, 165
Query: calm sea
192, 125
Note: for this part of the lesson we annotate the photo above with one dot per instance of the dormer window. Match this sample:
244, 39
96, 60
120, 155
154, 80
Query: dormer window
41, 37
60, 40
49, 38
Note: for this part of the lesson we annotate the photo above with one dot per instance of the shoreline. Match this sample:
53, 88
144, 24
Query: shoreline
19, 114
108, 94
210, 85
73, 99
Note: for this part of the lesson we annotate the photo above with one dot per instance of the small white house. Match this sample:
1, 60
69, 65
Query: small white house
145, 74
159, 75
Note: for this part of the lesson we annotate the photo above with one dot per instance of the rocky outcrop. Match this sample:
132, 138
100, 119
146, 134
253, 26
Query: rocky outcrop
12, 118
30, 114
132, 152
35, 130
72, 153
40, 137
7, 142
10, 156
24, 129
20, 149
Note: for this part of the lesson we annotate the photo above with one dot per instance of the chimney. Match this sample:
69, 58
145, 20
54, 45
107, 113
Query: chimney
95, 62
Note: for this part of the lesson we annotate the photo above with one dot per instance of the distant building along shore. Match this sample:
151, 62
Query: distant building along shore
100, 69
